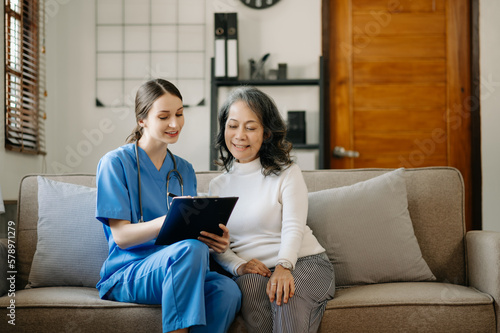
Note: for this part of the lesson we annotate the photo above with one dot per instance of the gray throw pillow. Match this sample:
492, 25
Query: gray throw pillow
71, 244
367, 231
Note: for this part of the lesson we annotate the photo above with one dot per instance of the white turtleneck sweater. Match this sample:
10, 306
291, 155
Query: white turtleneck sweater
268, 222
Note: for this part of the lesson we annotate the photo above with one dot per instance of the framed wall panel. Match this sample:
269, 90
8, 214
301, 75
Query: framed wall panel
137, 40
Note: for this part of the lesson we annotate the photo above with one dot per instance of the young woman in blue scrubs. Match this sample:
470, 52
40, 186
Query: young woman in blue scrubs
176, 276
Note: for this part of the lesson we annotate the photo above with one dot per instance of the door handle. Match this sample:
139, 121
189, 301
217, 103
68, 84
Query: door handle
340, 152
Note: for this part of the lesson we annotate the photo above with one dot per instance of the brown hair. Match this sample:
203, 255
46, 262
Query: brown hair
147, 94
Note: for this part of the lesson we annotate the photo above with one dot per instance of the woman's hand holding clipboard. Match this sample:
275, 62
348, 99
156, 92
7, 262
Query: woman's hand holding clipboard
187, 217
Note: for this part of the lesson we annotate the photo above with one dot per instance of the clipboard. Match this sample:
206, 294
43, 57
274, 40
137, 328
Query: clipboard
187, 217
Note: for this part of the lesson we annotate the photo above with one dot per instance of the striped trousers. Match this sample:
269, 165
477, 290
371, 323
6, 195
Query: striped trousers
314, 286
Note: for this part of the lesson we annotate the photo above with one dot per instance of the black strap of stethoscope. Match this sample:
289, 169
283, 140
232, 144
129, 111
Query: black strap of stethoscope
173, 159
139, 177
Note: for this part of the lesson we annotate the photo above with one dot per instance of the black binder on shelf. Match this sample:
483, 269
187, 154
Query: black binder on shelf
232, 45
220, 36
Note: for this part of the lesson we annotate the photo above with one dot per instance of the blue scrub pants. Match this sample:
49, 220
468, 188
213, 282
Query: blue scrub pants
178, 277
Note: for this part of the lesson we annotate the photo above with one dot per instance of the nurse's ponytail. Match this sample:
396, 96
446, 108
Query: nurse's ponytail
135, 135
147, 94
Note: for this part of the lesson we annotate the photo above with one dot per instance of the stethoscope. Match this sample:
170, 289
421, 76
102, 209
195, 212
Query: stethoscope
172, 173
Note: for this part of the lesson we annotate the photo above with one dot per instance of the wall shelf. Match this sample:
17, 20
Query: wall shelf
296, 82
216, 83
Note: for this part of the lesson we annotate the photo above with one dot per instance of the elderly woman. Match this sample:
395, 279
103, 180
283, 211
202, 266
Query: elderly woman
283, 272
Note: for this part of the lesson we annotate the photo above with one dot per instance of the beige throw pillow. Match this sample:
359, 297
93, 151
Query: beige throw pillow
367, 231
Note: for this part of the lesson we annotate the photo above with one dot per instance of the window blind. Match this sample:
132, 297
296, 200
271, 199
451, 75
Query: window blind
24, 76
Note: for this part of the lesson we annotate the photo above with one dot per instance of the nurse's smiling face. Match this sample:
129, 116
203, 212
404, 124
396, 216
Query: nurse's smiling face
165, 119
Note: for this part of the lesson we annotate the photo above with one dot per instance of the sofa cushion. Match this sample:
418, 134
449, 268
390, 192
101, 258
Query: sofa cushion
66, 297
408, 293
367, 231
77, 309
410, 307
71, 245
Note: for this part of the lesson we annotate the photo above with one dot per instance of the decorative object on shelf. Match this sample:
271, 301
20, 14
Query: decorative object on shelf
259, 4
282, 69
296, 131
257, 71
226, 45
272, 74
253, 67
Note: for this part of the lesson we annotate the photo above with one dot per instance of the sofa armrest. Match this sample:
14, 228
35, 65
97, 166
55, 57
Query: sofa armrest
3, 266
483, 254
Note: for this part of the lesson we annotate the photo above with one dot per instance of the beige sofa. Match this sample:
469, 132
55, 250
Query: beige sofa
464, 297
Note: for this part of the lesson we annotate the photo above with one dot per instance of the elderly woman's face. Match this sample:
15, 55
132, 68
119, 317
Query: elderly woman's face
244, 133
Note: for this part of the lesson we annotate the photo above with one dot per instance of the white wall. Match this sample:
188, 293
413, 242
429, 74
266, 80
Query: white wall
489, 29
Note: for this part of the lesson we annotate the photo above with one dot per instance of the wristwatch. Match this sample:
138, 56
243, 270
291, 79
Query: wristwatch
285, 264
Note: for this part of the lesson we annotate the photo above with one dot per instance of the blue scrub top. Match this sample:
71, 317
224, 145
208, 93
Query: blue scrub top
118, 198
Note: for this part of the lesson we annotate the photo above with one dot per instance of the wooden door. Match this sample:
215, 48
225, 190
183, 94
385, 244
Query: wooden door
399, 76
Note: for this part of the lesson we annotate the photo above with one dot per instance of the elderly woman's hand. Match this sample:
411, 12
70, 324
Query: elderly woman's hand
281, 286
254, 266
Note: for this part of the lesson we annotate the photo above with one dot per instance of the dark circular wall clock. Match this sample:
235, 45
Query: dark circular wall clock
259, 4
